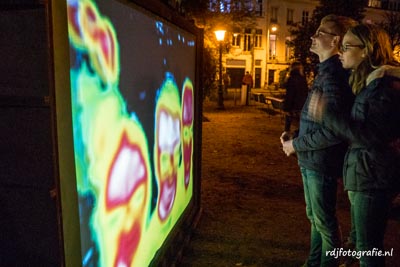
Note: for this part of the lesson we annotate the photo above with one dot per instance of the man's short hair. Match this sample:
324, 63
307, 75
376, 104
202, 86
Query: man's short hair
340, 24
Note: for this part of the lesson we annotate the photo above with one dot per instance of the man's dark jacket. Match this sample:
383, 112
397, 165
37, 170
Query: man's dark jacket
317, 147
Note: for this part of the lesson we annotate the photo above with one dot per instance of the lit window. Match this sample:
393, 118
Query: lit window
247, 42
236, 39
272, 46
374, 3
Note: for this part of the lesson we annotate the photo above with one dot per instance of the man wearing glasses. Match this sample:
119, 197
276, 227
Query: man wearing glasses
320, 153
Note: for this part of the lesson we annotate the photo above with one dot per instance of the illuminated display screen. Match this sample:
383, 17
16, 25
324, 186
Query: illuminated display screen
132, 88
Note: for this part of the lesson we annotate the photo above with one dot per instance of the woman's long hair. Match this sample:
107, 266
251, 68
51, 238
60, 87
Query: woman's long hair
379, 52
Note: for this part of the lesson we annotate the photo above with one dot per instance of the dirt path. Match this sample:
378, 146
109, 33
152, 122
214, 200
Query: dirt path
252, 195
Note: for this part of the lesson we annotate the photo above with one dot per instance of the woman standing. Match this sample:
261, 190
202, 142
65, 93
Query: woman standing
372, 163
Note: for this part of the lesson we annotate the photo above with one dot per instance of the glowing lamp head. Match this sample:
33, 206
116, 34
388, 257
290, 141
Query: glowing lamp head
274, 28
220, 34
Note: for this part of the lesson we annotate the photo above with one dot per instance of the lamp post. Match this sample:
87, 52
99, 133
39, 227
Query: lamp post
220, 35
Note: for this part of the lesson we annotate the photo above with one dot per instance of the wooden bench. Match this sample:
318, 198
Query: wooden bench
258, 97
276, 104
273, 103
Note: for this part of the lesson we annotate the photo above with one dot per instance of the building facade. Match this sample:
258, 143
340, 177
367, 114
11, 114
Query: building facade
264, 51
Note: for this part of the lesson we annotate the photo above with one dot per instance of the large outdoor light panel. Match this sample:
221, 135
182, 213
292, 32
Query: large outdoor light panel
133, 110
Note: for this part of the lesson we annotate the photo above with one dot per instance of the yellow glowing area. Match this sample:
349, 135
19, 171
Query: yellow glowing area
95, 33
167, 146
187, 130
121, 214
118, 171
173, 195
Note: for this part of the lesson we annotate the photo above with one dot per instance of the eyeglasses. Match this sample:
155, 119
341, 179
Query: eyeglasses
320, 33
345, 47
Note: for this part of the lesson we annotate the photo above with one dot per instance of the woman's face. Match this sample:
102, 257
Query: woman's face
352, 51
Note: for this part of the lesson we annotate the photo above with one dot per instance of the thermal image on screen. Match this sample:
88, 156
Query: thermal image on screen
132, 108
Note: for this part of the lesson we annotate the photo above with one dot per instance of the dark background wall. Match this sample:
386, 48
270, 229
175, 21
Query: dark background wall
29, 233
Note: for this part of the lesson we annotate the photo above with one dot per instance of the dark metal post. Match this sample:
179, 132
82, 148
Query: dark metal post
220, 91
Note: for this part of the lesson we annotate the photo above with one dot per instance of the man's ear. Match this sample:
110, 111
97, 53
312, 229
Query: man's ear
336, 41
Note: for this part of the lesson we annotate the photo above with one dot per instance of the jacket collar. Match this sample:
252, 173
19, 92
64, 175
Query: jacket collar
385, 70
327, 64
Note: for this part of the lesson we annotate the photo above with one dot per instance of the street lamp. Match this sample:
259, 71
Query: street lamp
220, 35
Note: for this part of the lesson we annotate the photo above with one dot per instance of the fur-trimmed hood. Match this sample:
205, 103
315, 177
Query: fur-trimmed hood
385, 70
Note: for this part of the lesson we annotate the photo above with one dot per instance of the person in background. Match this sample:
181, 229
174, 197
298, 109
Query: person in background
320, 152
248, 81
372, 166
227, 82
283, 76
296, 94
